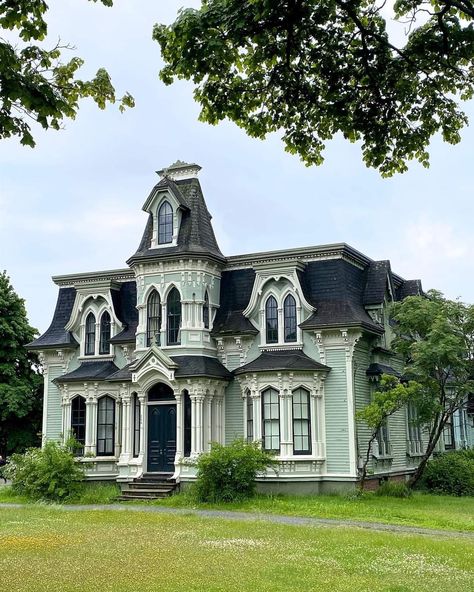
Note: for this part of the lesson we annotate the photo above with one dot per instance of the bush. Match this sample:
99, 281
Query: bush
49, 473
451, 473
227, 473
393, 489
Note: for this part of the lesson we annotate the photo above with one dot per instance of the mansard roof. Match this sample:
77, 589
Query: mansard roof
196, 235
125, 306
379, 280
189, 366
56, 336
409, 288
376, 369
94, 370
282, 360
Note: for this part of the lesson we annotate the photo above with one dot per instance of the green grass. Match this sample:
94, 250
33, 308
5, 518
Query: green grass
48, 548
90, 493
430, 511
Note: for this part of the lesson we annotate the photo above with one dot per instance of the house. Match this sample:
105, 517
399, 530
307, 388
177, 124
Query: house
149, 364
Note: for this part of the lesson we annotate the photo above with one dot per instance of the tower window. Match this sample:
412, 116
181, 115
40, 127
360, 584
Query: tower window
174, 317
289, 312
104, 343
205, 311
165, 223
271, 320
153, 318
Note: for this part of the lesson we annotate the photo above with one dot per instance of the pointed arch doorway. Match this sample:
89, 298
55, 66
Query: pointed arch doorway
161, 429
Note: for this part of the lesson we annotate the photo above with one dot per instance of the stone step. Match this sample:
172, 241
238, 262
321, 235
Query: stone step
144, 489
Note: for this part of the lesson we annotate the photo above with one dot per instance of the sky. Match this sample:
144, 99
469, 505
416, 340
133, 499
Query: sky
73, 203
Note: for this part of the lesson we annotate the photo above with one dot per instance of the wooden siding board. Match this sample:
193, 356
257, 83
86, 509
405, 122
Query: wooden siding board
337, 433
234, 413
54, 408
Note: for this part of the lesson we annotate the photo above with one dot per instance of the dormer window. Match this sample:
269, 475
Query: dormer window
205, 311
89, 349
165, 224
104, 342
174, 317
271, 320
153, 319
289, 319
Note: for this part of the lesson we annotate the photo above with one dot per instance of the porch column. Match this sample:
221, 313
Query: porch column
126, 424
318, 432
66, 427
218, 434
257, 414
179, 426
91, 427
197, 423
286, 444
141, 398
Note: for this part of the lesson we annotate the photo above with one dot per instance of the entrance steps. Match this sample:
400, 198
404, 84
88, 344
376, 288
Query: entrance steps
148, 487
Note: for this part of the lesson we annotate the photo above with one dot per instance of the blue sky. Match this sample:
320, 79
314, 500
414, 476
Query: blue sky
74, 202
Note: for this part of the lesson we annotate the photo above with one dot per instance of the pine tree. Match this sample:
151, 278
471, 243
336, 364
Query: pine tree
20, 374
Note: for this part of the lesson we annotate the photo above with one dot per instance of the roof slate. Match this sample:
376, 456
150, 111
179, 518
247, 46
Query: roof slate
190, 366
236, 289
376, 369
55, 335
282, 360
97, 370
125, 306
196, 235
379, 274
409, 288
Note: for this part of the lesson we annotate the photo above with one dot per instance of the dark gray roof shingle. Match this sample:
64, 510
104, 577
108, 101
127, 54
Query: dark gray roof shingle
122, 375
409, 288
379, 278
190, 366
282, 360
376, 369
97, 370
125, 306
56, 336
236, 289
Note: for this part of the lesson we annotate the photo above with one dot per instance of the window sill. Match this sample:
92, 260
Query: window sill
383, 456
281, 346
95, 358
415, 454
86, 459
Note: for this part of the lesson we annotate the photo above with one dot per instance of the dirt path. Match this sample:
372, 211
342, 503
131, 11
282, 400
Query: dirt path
250, 517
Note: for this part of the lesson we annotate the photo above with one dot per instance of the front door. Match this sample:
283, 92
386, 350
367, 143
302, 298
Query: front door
161, 438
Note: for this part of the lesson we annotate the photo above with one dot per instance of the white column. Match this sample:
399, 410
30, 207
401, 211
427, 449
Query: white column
91, 427
193, 425
208, 422
257, 415
218, 434
141, 398
126, 425
284, 399
179, 426
66, 427
197, 431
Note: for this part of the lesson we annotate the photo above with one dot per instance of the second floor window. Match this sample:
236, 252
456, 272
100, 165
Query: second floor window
153, 318
165, 223
289, 314
271, 320
89, 348
104, 343
205, 311
174, 317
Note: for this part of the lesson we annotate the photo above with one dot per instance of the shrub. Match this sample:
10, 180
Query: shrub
49, 473
451, 473
393, 489
227, 473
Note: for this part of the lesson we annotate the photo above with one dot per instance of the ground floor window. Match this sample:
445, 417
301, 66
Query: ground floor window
301, 422
271, 420
105, 426
448, 435
383, 441
78, 422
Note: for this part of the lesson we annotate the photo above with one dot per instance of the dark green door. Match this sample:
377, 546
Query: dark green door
161, 438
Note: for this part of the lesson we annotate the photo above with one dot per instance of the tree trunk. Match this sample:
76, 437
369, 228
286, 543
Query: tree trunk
434, 438
363, 475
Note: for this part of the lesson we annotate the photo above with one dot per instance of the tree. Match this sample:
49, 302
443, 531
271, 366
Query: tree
35, 85
20, 377
436, 337
313, 68
390, 398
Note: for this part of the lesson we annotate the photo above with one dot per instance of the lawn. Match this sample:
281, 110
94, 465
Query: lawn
49, 548
430, 511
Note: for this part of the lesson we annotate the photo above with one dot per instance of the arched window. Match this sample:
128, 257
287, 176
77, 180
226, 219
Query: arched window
289, 316
89, 348
301, 422
104, 342
165, 223
205, 311
78, 421
153, 318
174, 317
271, 420
271, 320
105, 426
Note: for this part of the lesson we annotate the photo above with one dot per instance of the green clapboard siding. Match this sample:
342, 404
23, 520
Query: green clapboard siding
54, 417
337, 441
234, 413
362, 394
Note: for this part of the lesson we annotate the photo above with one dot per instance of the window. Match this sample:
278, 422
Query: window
153, 318
136, 425
165, 223
414, 430
78, 421
187, 424
271, 420
289, 313
104, 342
105, 426
301, 422
249, 404
174, 317
271, 320
448, 435
383, 441
89, 348
205, 311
